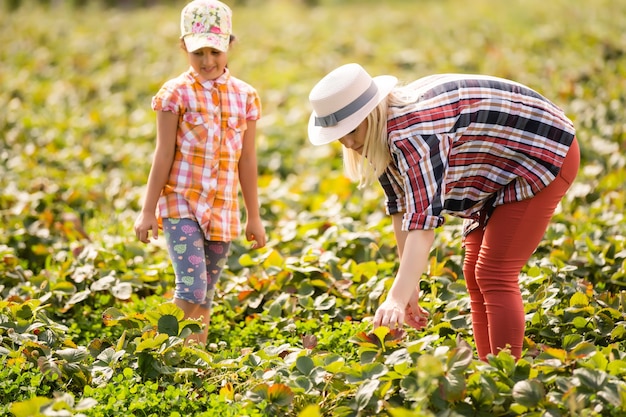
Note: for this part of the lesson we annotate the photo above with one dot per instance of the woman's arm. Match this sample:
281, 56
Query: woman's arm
167, 125
248, 176
414, 247
396, 221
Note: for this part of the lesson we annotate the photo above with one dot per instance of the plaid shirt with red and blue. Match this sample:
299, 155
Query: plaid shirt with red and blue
468, 144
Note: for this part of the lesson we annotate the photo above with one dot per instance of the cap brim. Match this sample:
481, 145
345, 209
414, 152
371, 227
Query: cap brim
319, 135
195, 41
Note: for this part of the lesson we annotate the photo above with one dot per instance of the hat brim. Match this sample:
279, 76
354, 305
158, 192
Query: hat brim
195, 41
319, 135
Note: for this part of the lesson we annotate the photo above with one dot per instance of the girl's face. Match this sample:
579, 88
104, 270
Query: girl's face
355, 140
209, 63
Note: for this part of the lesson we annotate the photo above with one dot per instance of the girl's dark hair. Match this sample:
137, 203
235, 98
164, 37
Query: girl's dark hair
233, 38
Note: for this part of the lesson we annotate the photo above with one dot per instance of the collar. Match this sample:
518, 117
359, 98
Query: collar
221, 80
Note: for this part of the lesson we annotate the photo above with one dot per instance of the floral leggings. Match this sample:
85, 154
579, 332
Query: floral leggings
197, 262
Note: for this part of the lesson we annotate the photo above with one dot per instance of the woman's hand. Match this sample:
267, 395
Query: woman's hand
416, 316
390, 314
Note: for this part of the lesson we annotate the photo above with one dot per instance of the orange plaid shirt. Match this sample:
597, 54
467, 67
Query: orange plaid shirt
204, 180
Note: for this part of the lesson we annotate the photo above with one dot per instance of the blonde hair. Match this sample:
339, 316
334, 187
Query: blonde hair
376, 157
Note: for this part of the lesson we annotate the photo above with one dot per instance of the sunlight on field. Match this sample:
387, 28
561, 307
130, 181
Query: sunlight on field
76, 83
82, 317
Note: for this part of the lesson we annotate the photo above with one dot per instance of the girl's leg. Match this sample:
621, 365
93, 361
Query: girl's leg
215, 253
512, 234
191, 260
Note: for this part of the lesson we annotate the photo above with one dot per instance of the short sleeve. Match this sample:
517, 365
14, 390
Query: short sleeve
253, 110
167, 98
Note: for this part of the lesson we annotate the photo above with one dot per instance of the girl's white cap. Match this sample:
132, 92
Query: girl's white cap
206, 24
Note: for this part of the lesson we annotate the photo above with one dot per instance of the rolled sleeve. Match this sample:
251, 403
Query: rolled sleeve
394, 194
422, 221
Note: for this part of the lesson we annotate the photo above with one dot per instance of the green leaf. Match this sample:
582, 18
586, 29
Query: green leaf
359, 373
591, 379
617, 367
459, 359
365, 393
103, 284
24, 312
165, 309
528, 393
246, 260
280, 395
453, 387
275, 309
584, 349
305, 365
64, 287
110, 356
72, 355
324, 302
304, 383
152, 343
168, 324
85, 404
365, 269
173, 309
429, 367
111, 316
259, 393
77, 298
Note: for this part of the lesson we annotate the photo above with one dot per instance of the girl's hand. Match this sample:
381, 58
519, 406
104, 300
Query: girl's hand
145, 224
255, 232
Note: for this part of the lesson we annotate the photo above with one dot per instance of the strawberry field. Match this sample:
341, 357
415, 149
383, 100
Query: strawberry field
87, 327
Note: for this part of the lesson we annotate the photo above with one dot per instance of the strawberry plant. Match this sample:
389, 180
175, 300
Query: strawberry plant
87, 326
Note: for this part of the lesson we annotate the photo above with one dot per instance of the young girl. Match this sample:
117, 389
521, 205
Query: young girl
486, 149
206, 121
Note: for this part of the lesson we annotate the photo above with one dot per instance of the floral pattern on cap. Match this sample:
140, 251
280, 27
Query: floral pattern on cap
206, 23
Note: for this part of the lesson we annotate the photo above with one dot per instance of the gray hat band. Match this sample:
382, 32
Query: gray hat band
334, 118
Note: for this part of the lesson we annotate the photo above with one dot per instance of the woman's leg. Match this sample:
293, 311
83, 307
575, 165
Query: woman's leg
480, 324
511, 236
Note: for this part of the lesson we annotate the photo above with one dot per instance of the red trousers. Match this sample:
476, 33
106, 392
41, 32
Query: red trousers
495, 256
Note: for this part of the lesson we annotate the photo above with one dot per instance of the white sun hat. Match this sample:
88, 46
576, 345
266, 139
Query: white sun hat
343, 99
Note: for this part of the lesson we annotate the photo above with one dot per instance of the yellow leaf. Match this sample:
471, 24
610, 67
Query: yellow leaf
578, 300
227, 391
311, 410
29, 408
